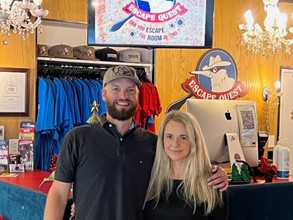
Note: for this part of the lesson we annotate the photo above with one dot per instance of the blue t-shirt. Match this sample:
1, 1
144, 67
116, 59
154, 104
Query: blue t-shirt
86, 105
75, 104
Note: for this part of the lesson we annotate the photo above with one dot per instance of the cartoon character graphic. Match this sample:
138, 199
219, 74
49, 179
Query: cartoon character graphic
215, 77
220, 81
155, 6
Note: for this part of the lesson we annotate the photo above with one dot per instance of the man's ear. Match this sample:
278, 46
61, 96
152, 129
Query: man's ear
104, 94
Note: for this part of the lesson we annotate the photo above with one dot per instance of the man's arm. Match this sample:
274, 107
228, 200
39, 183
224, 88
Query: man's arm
57, 200
219, 180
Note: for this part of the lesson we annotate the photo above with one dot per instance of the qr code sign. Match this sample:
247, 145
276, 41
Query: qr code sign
247, 119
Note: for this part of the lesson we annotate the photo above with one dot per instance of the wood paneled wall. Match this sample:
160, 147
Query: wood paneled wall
172, 66
66, 10
254, 71
19, 54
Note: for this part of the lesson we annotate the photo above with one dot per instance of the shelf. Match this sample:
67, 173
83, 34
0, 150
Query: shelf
147, 66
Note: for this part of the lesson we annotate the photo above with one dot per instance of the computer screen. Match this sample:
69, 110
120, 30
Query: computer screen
151, 23
218, 117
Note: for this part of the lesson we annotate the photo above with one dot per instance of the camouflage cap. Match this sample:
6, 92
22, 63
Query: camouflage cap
42, 50
61, 51
119, 72
84, 52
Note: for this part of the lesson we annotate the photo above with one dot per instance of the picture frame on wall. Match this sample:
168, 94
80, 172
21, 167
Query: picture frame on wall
14, 92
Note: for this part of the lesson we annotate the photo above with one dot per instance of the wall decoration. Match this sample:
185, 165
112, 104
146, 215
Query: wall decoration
13, 92
214, 78
151, 23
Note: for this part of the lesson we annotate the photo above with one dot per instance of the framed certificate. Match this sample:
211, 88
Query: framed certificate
14, 91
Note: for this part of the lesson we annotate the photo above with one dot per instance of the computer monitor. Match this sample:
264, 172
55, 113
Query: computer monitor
151, 23
218, 117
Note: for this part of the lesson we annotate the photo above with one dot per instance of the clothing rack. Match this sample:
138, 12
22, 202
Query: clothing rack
71, 70
59, 67
64, 71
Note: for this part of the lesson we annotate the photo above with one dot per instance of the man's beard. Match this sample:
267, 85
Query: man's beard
123, 114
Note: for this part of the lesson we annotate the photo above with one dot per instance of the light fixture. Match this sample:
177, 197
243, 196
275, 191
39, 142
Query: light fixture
22, 17
272, 37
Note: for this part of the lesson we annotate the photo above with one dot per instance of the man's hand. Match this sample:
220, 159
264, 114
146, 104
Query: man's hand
72, 211
219, 179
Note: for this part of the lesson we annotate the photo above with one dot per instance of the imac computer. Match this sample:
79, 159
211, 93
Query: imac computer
218, 117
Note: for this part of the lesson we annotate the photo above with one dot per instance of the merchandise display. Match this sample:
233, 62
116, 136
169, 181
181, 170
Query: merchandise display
70, 98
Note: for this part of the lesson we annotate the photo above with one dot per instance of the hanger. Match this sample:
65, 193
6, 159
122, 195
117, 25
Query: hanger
141, 73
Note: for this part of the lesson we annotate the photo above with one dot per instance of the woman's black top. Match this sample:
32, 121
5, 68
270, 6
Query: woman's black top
175, 208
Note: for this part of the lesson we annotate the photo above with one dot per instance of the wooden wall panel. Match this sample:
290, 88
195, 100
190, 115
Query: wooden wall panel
172, 66
66, 10
19, 54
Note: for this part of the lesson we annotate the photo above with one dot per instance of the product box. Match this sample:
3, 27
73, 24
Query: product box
26, 133
26, 136
1, 133
4, 145
3, 167
27, 124
13, 146
26, 144
26, 150
15, 165
3, 156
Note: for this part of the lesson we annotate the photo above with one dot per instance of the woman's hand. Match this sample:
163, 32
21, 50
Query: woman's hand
219, 179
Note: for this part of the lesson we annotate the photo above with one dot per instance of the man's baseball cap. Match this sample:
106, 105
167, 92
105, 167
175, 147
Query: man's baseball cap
118, 72
61, 51
146, 55
107, 54
84, 52
129, 55
42, 50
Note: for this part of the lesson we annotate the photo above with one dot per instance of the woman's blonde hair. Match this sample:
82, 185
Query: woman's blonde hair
194, 187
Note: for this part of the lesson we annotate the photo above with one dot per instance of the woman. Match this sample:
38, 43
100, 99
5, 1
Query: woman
178, 188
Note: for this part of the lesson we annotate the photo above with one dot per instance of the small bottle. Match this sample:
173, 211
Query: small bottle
275, 153
283, 162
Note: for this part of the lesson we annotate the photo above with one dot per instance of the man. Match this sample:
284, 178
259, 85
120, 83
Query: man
109, 162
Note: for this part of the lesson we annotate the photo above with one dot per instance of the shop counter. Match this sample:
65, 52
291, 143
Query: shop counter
262, 201
22, 199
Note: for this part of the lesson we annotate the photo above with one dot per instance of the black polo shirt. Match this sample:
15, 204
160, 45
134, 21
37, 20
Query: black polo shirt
110, 172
